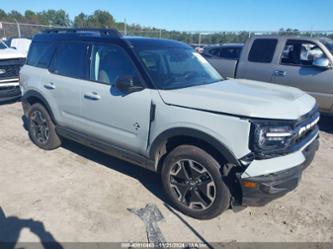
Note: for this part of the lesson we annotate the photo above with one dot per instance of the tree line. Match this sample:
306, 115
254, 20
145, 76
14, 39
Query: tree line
104, 19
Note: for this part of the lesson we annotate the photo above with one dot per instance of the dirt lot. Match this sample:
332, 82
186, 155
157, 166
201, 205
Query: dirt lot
75, 194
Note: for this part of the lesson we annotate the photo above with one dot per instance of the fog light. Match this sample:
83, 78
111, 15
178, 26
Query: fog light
248, 184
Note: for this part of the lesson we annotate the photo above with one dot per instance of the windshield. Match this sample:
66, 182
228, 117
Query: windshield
172, 68
3, 45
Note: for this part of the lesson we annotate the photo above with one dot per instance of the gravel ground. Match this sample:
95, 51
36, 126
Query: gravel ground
75, 194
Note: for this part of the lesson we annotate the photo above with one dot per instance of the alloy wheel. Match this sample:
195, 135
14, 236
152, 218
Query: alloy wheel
39, 127
192, 184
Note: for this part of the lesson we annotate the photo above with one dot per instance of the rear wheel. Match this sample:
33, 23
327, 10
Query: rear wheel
42, 129
192, 180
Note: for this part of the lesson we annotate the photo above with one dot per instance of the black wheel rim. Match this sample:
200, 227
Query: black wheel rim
192, 184
39, 127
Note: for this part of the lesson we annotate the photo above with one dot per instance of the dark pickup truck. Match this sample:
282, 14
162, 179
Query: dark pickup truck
300, 62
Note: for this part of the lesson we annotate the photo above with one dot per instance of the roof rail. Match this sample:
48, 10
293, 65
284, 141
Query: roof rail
101, 32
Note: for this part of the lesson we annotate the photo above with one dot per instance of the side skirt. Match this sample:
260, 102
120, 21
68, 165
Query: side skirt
106, 148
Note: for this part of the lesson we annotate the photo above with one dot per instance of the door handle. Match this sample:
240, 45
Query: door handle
50, 86
92, 96
280, 73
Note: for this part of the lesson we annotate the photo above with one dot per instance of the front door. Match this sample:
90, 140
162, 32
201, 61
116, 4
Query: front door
296, 69
120, 118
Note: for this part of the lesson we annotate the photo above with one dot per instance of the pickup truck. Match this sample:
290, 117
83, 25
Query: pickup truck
301, 62
20, 44
11, 62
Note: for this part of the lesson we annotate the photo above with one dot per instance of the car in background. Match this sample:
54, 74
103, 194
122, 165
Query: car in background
11, 62
22, 45
198, 47
223, 56
226, 51
302, 62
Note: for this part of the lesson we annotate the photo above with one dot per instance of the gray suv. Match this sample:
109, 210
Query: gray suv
157, 103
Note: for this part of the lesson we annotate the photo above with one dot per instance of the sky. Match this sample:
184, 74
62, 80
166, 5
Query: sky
199, 15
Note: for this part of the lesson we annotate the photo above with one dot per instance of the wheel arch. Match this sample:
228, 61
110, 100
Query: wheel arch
32, 97
174, 137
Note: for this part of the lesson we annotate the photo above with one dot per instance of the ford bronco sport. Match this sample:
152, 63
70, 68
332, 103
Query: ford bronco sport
157, 103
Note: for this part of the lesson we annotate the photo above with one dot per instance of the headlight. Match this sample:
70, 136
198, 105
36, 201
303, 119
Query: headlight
268, 139
272, 138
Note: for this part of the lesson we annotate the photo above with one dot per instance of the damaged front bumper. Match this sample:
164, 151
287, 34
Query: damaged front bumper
259, 190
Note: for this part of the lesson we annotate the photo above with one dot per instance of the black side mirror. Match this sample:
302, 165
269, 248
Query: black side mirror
128, 84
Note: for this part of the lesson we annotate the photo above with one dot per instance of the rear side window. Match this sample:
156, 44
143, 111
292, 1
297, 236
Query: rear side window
40, 54
70, 60
262, 50
215, 51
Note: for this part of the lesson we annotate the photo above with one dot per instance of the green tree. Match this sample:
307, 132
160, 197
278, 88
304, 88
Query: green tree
81, 20
31, 17
15, 16
101, 19
56, 17
3, 15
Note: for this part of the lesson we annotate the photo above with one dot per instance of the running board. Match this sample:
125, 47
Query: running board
106, 148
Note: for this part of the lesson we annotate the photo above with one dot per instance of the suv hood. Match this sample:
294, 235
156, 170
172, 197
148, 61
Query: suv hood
10, 53
243, 98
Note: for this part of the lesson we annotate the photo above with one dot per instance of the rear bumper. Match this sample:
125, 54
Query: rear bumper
272, 186
9, 91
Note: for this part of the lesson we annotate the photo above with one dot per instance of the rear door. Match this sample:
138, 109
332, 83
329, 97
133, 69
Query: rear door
295, 69
109, 114
62, 85
258, 63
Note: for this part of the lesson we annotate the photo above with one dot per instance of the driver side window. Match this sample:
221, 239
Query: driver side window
110, 63
300, 53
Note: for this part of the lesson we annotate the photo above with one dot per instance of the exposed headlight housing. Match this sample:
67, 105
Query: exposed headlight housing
271, 138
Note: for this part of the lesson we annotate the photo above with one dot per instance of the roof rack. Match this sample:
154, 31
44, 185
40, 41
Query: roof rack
101, 32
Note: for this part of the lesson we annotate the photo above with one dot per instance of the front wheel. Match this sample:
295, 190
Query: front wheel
192, 179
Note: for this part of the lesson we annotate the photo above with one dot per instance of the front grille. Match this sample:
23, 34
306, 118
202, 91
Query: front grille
306, 126
10, 68
9, 71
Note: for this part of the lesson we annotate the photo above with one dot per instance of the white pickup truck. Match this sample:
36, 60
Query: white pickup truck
10, 63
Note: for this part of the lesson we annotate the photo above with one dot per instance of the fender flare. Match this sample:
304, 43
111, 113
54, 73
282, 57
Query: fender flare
40, 97
193, 133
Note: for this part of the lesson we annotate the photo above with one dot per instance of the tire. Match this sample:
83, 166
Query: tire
189, 176
42, 129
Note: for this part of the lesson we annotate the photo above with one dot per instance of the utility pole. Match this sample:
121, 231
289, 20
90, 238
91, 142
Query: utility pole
311, 34
18, 28
125, 27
